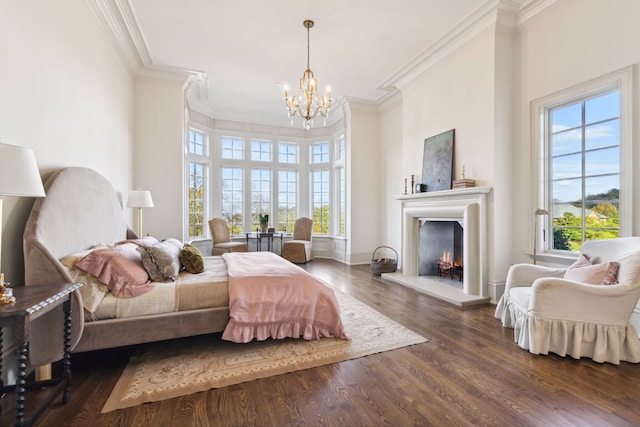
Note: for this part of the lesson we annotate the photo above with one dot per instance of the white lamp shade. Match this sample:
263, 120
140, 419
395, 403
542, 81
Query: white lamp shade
19, 175
140, 199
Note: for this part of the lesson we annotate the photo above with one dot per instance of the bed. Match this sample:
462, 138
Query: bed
81, 215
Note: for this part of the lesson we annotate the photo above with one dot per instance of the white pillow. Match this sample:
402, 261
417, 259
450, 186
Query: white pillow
629, 268
93, 291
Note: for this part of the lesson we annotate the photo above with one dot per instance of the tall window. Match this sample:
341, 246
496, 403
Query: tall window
197, 181
584, 147
287, 198
320, 187
340, 184
585, 170
260, 196
320, 197
232, 194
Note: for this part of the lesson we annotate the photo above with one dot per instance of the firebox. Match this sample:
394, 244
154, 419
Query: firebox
440, 249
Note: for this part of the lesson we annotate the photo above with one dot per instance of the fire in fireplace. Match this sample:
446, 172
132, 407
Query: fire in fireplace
447, 267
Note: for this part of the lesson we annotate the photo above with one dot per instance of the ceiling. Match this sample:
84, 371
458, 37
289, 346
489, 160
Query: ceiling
249, 49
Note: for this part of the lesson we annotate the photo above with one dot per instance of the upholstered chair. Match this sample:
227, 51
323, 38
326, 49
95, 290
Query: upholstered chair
222, 240
565, 312
298, 250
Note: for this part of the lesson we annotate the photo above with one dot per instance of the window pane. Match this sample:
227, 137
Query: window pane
604, 107
232, 198
566, 142
197, 142
566, 117
569, 166
287, 153
320, 197
196, 199
340, 148
261, 151
604, 134
260, 196
342, 203
602, 189
287, 196
601, 162
232, 148
320, 153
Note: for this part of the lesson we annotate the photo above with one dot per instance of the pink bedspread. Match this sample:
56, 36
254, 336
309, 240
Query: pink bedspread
270, 297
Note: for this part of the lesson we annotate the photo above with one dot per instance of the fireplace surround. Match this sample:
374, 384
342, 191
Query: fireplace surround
468, 206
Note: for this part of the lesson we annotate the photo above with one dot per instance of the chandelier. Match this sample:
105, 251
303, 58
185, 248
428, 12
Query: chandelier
307, 103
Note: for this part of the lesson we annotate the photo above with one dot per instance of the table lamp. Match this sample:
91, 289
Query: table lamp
140, 199
539, 212
19, 177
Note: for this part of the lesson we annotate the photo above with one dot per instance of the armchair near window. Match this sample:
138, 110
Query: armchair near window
549, 313
298, 250
222, 240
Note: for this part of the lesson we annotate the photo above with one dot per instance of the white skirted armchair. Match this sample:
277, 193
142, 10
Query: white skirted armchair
551, 313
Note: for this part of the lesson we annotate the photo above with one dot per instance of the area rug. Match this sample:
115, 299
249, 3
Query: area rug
159, 371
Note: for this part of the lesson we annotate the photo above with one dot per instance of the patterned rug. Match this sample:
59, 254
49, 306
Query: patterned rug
158, 372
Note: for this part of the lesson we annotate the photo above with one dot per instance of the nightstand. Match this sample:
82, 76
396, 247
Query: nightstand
31, 303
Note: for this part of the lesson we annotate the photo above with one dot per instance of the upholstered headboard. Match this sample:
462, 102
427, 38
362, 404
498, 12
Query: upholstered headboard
80, 210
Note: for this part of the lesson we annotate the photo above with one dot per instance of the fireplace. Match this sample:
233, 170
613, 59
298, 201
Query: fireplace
463, 211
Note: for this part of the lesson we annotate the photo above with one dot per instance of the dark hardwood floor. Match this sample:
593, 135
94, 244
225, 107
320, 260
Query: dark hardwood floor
470, 372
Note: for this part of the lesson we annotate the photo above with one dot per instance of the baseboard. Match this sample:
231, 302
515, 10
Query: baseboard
495, 289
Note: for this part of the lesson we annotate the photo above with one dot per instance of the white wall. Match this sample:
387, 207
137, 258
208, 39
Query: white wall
363, 225
159, 153
66, 94
390, 170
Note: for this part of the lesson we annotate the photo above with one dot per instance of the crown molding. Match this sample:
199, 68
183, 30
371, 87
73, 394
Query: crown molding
490, 13
120, 22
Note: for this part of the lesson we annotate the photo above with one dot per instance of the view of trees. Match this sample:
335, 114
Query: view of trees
602, 222
195, 211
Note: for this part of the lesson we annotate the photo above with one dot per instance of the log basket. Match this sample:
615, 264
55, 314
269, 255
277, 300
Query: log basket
383, 265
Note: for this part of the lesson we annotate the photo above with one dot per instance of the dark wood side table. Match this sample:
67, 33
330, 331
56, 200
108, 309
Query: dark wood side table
259, 235
31, 303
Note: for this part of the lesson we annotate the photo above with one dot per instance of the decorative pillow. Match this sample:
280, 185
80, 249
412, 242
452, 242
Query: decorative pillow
583, 260
162, 260
120, 268
93, 291
594, 274
192, 259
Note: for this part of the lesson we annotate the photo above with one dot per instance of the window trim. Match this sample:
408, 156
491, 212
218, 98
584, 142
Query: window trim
206, 160
621, 80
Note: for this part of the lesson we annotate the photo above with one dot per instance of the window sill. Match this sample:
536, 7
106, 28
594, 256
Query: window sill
561, 260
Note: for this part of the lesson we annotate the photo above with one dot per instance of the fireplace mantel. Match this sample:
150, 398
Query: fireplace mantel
469, 207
